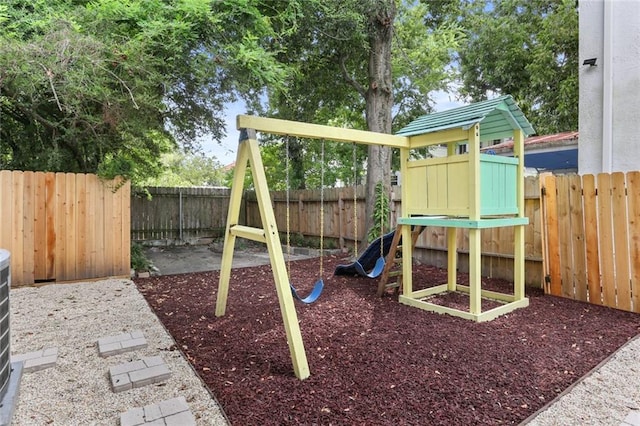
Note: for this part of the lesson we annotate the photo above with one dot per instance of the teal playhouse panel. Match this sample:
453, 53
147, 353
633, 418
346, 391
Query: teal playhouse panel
498, 185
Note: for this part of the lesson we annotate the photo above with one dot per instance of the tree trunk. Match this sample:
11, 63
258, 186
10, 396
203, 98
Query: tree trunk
379, 102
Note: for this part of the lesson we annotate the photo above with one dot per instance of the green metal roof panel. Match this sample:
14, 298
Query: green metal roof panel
497, 117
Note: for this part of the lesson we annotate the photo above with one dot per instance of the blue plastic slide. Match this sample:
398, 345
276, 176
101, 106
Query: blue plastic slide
370, 263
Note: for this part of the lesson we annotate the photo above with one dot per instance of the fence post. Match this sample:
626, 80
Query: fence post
302, 229
180, 214
341, 219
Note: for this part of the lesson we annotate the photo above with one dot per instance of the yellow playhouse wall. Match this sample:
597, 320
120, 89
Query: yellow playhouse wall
440, 186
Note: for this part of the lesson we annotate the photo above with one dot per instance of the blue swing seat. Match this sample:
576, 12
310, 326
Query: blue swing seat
313, 296
375, 272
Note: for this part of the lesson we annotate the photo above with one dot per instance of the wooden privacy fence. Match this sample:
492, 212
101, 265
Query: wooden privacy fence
592, 238
64, 226
340, 227
179, 215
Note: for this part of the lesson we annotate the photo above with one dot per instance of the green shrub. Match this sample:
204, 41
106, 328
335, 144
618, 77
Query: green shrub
139, 260
381, 213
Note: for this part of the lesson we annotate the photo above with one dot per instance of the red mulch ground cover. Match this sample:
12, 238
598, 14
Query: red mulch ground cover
375, 361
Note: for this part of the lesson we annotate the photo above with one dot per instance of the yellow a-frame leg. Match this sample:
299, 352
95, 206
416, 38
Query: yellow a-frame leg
249, 152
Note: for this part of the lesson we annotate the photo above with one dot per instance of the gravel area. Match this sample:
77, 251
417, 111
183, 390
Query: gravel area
72, 317
603, 397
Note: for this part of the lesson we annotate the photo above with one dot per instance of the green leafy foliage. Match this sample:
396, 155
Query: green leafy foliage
526, 48
139, 260
179, 169
345, 53
422, 54
112, 85
331, 51
381, 213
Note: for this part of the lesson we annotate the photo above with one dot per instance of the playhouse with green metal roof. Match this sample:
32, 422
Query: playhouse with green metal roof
468, 190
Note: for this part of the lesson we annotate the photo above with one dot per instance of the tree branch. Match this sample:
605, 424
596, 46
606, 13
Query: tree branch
49, 74
135, 105
37, 117
350, 80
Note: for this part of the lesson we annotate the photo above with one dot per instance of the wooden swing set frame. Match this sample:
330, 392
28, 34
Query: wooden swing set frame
415, 213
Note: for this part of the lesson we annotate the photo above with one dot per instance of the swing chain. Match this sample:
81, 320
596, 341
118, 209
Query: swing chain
288, 201
322, 209
382, 204
288, 198
355, 201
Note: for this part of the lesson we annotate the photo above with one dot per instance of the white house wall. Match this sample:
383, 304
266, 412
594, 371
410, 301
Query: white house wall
609, 110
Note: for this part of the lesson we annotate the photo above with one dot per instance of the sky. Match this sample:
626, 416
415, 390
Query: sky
225, 151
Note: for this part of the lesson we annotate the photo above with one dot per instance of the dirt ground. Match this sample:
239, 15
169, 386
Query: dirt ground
373, 360
170, 260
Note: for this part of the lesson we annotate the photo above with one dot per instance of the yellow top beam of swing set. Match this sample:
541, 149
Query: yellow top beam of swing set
317, 131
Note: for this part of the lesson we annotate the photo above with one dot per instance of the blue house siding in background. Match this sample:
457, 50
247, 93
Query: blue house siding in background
552, 160
554, 153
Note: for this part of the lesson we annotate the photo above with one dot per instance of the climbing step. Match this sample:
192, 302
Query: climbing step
37, 360
121, 343
136, 374
393, 259
172, 412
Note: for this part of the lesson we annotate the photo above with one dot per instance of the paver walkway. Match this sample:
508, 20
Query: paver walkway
171, 412
37, 360
121, 343
136, 374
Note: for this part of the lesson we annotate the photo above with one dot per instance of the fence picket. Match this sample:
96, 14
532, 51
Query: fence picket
592, 249
564, 233
633, 193
577, 238
102, 229
50, 219
605, 238
17, 228
125, 230
40, 226
81, 224
28, 224
92, 225
70, 226
621, 244
552, 237
60, 232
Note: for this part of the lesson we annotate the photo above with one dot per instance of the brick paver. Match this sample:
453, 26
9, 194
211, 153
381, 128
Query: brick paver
121, 343
632, 419
139, 373
172, 412
37, 360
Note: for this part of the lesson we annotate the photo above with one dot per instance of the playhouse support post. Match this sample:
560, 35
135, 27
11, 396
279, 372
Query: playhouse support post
475, 277
407, 247
518, 264
475, 248
407, 262
452, 259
